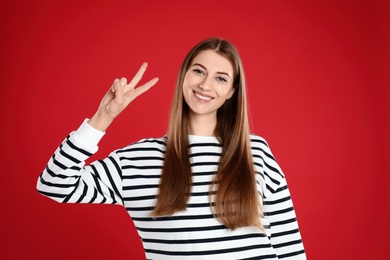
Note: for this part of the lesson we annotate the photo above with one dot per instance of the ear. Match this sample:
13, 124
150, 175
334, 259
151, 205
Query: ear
231, 93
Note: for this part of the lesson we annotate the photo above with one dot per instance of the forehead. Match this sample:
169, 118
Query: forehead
213, 61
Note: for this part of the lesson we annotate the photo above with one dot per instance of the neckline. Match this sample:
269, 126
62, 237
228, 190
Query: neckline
209, 138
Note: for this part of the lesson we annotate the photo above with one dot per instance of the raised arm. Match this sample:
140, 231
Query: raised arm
66, 178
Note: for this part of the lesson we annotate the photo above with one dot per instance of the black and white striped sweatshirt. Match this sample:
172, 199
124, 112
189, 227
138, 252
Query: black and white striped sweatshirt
130, 177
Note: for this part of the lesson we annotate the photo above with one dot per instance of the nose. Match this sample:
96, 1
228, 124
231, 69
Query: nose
206, 84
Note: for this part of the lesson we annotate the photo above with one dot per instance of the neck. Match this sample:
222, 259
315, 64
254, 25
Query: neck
202, 125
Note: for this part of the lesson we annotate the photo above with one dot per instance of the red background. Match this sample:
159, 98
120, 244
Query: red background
316, 81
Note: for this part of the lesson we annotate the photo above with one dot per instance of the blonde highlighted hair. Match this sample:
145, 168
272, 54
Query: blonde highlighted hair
234, 199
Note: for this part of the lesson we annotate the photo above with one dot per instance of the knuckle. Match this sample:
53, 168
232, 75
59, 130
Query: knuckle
123, 82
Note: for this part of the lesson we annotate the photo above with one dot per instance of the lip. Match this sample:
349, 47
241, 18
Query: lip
202, 97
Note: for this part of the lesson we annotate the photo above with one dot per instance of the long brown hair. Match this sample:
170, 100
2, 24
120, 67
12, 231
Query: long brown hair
234, 198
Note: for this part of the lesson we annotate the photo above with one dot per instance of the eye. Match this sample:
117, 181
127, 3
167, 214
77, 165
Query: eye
222, 79
198, 71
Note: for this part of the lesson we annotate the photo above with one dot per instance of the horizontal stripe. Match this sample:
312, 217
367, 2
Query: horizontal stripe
212, 252
181, 229
206, 240
84, 152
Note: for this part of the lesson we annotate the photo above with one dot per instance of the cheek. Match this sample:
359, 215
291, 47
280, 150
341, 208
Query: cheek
189, 80
224, 92
186, 90
186, 87
186, 82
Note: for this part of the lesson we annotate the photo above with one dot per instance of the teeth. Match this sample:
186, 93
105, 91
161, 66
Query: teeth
203, 97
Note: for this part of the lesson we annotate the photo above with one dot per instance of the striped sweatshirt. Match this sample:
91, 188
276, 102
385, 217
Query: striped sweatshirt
130, 177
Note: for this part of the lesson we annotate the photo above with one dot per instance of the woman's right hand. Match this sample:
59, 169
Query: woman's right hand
118, 98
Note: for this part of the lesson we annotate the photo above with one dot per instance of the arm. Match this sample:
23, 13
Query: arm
278, 207
66, 178
285, 235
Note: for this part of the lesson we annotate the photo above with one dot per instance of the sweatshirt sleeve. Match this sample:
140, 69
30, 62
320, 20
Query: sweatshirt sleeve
285, 236
278, 210
67, 179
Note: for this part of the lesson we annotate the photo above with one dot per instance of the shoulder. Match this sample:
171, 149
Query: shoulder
260, 148
154, 141
266, 164
145, 145
258, 141
260, 145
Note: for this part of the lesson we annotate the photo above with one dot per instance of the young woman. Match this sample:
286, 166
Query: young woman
209, 189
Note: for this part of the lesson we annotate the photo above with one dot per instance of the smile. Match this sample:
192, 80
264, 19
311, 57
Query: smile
204, 98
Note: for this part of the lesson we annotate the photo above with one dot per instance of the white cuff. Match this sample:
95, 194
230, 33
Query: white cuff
88, 136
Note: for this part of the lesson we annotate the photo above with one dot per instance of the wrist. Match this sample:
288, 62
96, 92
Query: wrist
100, 121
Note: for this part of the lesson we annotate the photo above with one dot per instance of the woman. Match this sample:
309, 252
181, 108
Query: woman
207, 190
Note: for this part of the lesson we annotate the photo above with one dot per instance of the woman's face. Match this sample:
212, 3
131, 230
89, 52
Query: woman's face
208, 83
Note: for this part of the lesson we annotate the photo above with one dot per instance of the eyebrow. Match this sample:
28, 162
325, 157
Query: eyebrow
218, 72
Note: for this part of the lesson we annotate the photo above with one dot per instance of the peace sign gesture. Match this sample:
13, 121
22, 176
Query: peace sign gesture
119, 97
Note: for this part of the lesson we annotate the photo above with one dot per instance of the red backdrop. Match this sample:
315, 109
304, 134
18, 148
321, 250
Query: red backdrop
316, 82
